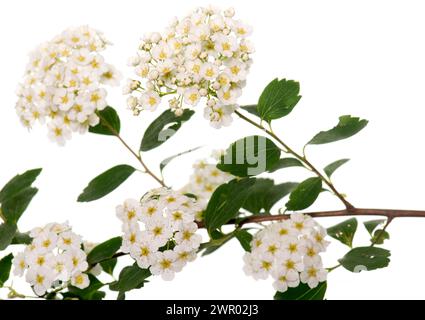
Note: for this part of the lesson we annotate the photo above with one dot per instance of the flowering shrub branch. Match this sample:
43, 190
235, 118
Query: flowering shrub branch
202, 59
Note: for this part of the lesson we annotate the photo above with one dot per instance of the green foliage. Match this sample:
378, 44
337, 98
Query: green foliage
106, 183
330, 168
21, 238
344, 231
218, 239
131, 277
379, 236
109, 124
109, 265
252, 109
372, 225
90, 293
365, 259
104, 251
249, 156
305, 194
15, 197
303, 292
226, 201
346, 127
163, 128
13, 207
264, 194
285, 163
166, 161
7, 233
278, 99
18, 184
244, 238
5, 267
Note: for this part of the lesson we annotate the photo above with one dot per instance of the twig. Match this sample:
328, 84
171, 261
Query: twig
389, 213
136, 155
303, 159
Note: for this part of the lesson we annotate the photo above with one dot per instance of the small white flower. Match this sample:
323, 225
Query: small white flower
46, 241
187, 236
209, 71
59, 132
40, 278
192, 96
19, 264
76, 260
226, 45
130, 211
69, 240
144, 253
80, 280
60, 266
284, 279
150, 100
313, 274
219, 115
165, 265
64, 99
159, 231
184, 255
302, 223
111, 76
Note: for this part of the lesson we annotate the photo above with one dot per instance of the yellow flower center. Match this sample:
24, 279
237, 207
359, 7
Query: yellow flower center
165, 264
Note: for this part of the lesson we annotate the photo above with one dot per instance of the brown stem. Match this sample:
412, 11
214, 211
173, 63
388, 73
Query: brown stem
137, 156
303, 159
389, 213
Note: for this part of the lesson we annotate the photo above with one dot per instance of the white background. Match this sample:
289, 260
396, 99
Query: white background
364, 58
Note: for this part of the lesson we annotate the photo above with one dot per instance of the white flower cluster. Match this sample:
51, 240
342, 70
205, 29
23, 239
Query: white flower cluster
289, 251
168, 239
55, 256
204, 180
204, 55
63, 83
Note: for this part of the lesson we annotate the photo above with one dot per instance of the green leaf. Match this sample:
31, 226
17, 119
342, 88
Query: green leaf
344, 231
330, 168
131, 277
109, 265
21, 238
372, 225
252, 109
18, 183
106, 183
166, 161
249, 156
90, 293
163, 128
13, 207
285, 163
226, 201
109, 124
264, 194
303, 292
104, 251
304, 194
218, 239
379, 236
5, 266
365, 259
347, 127
244, 238
278, 99
7, 232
